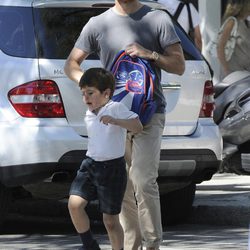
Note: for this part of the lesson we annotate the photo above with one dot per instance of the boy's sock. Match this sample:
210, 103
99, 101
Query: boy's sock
87, 239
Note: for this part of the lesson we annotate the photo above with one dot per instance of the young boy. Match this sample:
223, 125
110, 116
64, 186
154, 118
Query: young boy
102, 175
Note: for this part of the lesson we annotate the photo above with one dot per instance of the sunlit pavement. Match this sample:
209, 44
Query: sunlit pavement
220, 220
181, 237
224, 200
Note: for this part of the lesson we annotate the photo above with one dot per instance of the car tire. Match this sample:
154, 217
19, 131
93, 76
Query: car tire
234, 165
5, 198
177, 205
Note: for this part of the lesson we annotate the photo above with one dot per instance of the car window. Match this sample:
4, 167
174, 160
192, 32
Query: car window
16, 32
56, 32
58, 29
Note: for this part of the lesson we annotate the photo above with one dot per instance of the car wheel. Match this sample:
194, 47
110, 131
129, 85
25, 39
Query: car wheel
5, 198
234, 165
177, 205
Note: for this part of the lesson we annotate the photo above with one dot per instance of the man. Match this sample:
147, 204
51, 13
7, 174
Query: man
172, 6
149, 34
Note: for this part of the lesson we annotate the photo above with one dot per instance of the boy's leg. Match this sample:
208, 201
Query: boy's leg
83, 186
111, 187
81, 222
115, 231
78, 214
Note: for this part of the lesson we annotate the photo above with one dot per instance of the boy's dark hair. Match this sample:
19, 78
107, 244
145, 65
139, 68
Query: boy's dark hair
99, 78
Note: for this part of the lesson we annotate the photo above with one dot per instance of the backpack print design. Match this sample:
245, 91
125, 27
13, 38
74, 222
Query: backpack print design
134, 79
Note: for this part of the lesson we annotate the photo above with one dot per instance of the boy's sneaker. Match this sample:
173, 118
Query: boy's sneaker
95, 245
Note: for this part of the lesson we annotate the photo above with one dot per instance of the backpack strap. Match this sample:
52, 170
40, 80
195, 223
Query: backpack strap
178, 10
191, 26
235, 27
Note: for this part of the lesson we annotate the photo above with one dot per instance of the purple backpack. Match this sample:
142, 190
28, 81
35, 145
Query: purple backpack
134, 79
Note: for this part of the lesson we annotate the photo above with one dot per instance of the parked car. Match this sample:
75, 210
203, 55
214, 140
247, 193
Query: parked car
42, 131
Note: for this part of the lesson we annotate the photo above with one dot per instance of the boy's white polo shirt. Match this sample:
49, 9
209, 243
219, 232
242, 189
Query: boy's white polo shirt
106, 142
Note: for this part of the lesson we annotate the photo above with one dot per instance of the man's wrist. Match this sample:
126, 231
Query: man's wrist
155, 56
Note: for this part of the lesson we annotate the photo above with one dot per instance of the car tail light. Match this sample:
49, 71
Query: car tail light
208, 105
37, 99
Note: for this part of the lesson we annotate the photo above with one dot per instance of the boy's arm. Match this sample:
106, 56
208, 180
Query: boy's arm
134, 125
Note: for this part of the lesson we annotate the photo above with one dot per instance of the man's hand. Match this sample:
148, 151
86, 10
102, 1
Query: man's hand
136, 50
172, 60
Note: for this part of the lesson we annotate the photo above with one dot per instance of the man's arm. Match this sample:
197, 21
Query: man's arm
172, 60
72, 65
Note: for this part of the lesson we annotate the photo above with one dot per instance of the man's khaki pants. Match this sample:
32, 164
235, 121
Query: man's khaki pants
141, 216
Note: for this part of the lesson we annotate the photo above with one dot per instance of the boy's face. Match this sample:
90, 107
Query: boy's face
93, 98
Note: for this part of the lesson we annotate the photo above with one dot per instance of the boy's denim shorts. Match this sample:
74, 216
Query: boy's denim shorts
102, 180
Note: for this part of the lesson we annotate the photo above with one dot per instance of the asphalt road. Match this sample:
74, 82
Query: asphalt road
181, 237
224, 200
219, 220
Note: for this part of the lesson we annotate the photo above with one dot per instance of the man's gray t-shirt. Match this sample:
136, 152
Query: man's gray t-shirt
109, 33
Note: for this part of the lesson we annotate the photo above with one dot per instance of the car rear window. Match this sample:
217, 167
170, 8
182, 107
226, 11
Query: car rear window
16, 31
54, 32
58, 29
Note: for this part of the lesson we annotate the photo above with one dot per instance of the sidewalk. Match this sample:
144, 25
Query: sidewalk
224, 200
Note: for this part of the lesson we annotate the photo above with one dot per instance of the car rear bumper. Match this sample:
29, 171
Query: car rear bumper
32, 151
175, 166
179, 168
18, 175
192, 158
22, 174
196, 165
47, 150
